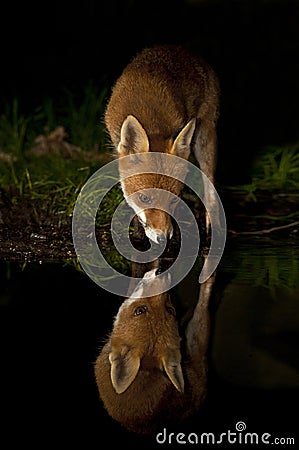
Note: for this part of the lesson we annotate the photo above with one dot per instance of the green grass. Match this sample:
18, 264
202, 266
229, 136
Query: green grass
81, 116
52, 179
274, 170
13, 130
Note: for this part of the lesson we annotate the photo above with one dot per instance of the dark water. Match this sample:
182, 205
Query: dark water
53, 320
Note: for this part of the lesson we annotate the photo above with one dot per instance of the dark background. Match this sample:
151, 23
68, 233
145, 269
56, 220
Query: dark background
53, 321
252, 44
46, 46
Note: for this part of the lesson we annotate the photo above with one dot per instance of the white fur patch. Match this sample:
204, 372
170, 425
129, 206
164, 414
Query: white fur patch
150, 275
138, 293
151, 233
142, 216
131, 202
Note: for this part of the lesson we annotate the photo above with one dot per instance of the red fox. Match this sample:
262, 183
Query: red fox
143, 379
166, 100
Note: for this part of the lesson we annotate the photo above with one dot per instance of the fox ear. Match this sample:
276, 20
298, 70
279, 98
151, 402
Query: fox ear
172, 366
181, 145
133, 138
124, 368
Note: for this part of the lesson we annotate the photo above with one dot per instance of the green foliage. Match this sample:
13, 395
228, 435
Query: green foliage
277, 169
51, 176
13, 129
84, 118
81, 115
265, 263
274, 170
53, 180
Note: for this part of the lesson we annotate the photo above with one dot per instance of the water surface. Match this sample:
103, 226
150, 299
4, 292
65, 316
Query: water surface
53, 320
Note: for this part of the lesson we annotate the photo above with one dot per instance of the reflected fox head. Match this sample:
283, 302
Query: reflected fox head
142, 358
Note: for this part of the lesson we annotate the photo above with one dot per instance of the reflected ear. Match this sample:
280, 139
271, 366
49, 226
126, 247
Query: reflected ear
124, 368
172, 366
133, 138
182, 143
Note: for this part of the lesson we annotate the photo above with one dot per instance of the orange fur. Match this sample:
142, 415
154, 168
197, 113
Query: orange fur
166, 100
143, 380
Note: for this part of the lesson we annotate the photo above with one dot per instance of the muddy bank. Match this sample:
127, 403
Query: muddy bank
29, 233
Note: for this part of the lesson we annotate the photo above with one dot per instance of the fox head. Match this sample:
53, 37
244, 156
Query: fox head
141, 361
147, 192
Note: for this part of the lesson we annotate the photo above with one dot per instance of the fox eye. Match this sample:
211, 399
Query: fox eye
140, 310
171, 310
144, 198
174, 200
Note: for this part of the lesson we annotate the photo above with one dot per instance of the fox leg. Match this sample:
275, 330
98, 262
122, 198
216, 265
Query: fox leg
205, 150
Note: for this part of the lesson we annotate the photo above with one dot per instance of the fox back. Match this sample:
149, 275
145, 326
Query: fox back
166, 100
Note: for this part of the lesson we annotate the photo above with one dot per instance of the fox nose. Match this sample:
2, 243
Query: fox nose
157, 235
161, 238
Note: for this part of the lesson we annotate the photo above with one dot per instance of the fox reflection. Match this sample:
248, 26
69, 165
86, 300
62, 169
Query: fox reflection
146, 374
